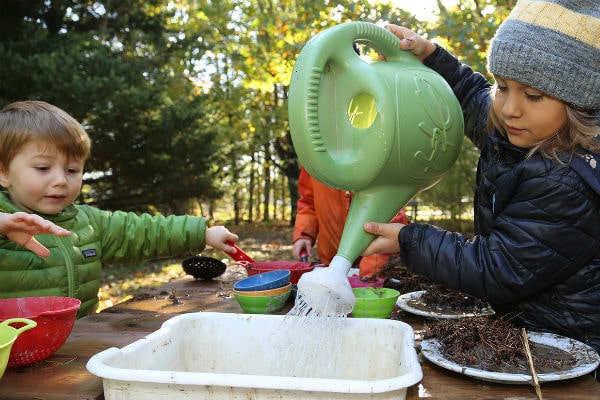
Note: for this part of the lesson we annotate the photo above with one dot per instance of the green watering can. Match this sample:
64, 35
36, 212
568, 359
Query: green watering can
8, 335
384, 130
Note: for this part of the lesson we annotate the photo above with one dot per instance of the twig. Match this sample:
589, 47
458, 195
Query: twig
536, 383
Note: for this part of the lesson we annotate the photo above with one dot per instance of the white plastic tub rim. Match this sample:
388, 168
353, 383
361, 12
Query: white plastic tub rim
106, 363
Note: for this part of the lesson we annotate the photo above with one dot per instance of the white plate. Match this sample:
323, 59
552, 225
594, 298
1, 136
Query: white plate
587, 360
432, 313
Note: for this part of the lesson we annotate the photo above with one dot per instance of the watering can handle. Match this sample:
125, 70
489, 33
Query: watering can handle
329, 75
375, 36
29, 324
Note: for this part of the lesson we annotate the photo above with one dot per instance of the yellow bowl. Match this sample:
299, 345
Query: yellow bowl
269, 292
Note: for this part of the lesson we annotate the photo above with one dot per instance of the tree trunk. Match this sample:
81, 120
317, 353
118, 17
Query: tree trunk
283, 198
236, 194
267, 183
251, 190
294, 196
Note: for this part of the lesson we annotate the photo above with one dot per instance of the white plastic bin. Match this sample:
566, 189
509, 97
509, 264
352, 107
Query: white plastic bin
218, 356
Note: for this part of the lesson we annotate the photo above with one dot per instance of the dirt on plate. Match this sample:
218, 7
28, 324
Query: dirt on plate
493, 344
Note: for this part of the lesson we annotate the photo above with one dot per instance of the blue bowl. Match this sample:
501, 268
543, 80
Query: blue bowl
264, 281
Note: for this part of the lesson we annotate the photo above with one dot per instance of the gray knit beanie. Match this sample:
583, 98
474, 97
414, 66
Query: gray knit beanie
553, 46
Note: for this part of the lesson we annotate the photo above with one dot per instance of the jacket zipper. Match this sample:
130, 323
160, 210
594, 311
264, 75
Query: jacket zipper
69, 266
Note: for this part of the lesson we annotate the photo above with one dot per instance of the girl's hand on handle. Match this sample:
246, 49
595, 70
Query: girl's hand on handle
300, 246
218, 236
386, 242
412, 42
21, 227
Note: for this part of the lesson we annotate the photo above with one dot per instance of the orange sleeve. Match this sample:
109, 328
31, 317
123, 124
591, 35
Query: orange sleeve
306, 224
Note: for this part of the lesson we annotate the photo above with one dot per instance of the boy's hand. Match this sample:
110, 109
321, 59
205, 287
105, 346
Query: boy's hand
218, 236
412, 42
386, 241
21, 227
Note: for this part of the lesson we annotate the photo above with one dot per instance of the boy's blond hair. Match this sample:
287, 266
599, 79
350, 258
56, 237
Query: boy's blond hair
24, 121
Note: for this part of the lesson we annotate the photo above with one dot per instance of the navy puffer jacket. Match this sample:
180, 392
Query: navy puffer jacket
536, 252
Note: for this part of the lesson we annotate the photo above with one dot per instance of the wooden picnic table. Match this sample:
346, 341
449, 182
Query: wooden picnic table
64, 376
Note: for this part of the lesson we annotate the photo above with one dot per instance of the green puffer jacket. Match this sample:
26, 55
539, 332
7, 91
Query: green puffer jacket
74, 267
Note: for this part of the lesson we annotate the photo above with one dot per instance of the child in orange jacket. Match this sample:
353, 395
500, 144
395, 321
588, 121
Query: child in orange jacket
322, 212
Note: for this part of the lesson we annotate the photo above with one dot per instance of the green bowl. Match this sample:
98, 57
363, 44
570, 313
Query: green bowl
262, 304
374, 302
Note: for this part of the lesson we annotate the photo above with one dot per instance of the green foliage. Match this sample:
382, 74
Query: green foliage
464, 29
187, 100
112, 66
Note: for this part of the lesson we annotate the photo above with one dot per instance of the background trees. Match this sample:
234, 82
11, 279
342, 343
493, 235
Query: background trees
186, 101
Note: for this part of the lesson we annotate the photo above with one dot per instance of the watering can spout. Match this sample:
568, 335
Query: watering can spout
379, 204
327, 292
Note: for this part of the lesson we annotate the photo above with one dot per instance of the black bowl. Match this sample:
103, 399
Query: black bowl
203, 267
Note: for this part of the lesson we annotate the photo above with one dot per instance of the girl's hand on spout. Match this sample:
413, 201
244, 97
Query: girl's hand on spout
386, 241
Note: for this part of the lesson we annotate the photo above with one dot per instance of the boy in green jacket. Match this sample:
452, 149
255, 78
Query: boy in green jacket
42, 154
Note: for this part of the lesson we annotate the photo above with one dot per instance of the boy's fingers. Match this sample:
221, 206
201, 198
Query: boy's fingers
28, 241
37, 247
56, 230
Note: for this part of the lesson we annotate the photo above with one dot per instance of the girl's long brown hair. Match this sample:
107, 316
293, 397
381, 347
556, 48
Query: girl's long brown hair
582, 131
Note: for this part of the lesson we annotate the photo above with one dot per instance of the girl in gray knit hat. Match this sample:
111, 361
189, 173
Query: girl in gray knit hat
535, 256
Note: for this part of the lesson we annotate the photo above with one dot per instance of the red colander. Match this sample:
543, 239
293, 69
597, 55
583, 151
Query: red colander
55, 317
296, 268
